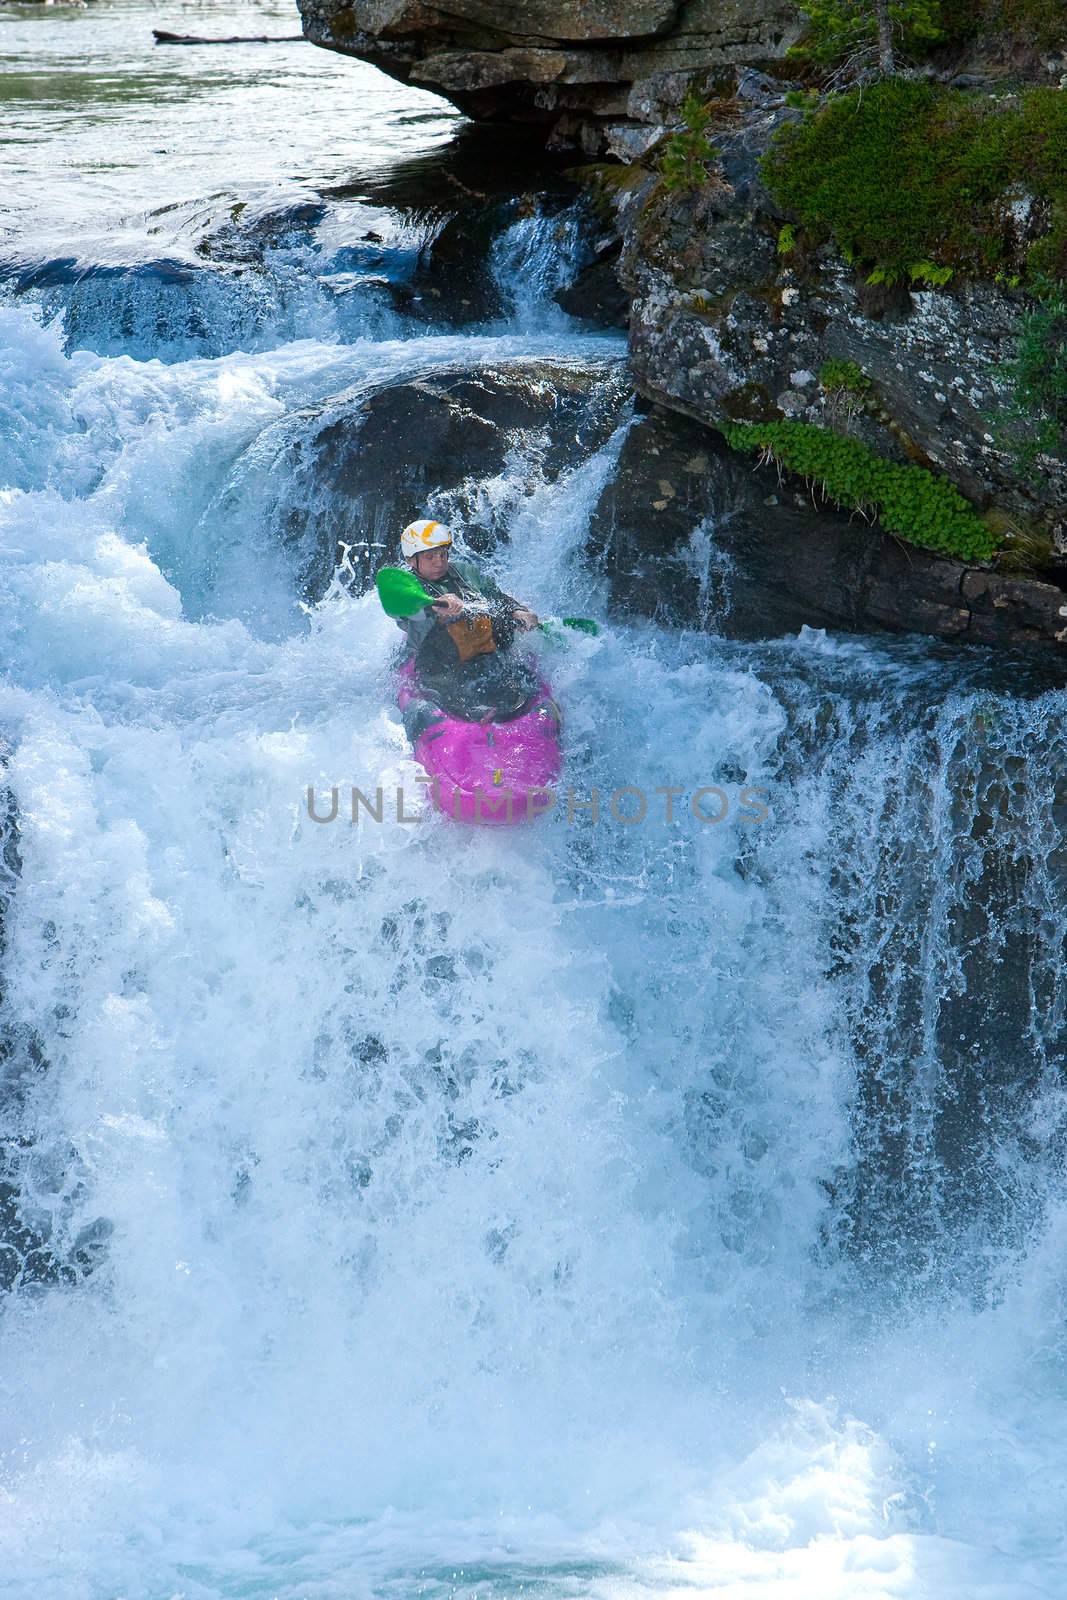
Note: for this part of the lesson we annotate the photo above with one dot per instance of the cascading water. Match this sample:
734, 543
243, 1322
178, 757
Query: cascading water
604, 1208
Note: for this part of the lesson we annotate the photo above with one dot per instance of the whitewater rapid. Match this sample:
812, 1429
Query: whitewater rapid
396, 1210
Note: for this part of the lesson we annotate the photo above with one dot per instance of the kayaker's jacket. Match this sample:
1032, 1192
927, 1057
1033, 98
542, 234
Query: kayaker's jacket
486, 625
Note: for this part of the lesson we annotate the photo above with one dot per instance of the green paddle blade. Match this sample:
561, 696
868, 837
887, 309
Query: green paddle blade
551, 628
401, 593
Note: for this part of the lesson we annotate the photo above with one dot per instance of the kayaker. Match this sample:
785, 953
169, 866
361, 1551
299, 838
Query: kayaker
461, 646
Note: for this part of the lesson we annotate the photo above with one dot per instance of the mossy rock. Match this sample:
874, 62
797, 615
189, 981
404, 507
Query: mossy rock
751, 402
916, 182
605, 183
611, 175
920, 506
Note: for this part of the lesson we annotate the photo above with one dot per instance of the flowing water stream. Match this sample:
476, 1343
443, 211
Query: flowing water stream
595, 1209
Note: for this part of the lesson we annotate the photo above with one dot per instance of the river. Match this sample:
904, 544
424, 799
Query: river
596, 1208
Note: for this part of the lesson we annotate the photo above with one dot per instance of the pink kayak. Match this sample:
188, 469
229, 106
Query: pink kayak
493, 773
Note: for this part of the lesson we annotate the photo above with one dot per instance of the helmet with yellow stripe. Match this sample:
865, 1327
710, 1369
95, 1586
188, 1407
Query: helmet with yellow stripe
420, 536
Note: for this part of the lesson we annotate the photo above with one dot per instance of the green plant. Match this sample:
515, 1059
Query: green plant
687, 153
802, 99
927, 272
1034, 421
844, 377
787, 239
915, 181
920, 506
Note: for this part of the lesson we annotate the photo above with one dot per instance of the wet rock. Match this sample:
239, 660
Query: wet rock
366, 464
597, 295
732, 549
63, 271
456, 207
249, 231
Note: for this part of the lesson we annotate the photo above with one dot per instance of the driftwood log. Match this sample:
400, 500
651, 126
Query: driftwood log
161, 37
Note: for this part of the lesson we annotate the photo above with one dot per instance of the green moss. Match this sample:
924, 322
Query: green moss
787, 239
1047, 256
611, 175
910, 501
844, 376
710, 307
749, 400
915, 181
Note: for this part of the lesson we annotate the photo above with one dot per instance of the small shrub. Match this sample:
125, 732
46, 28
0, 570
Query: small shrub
838, 29
921, 507
687, 153
787, 239
802, 99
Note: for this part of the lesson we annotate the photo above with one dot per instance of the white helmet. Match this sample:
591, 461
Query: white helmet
420, 536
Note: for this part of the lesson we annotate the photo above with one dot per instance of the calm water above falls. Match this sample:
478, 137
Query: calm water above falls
596, 1210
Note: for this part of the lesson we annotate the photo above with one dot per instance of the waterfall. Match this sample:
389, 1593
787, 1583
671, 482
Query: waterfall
607, 1206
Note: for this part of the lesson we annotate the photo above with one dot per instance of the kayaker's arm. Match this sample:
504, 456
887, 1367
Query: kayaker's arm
492, 592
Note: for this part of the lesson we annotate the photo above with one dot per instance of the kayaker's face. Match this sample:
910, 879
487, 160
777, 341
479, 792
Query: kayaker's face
432, 564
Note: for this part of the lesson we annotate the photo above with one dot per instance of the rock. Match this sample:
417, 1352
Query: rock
629, 141
571, 67
724, 551
597, 295
363, 465
458, 71
723, 325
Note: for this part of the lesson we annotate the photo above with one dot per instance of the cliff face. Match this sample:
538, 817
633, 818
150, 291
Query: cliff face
594, 73
742, 319
726, 325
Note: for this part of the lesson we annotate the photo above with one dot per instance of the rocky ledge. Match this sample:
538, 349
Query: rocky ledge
746, 322
690, 532
589, 72
737, 316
